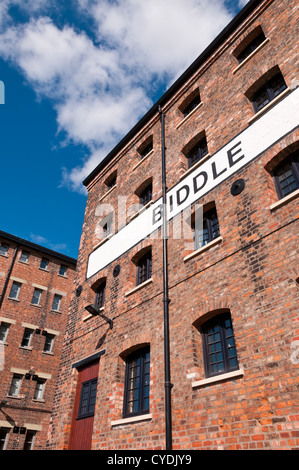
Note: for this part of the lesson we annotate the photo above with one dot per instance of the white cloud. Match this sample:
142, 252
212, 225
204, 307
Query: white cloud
100, 89
40, 240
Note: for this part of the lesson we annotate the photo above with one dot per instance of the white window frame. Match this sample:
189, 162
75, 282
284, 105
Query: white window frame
4, 327
39, 389
39, 291
15, 385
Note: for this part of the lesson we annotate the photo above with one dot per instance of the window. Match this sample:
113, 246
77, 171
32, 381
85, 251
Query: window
111, 180
137, 383
4, 432
88, 398
15, 290
39, 389
62, 270
27, 337
100, 295
144, 268
3, 249
44, 263
254, 44
198, 151
286, 175
15, 385
146, 195
36, 298
192, 105
266, 93
24, 257
208, 231
49, 342
29, 440
4, 327
107, 228
146, 148
56, 302
219, 348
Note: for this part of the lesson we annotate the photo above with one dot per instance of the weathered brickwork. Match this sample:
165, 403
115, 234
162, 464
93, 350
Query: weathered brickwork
251, 271
23, 414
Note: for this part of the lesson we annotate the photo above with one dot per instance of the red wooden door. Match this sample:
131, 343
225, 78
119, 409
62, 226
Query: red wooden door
82, 425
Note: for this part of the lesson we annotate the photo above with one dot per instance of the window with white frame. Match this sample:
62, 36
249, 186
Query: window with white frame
39, 389
29, 440
4, 327
15, 385
49, 342
24, 256
56, 302
15, 290
4, 432
36, 298
3, 249
27, 337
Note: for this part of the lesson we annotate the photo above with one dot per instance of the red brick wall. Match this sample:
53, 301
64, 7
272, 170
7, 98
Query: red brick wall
252, 273
24, 411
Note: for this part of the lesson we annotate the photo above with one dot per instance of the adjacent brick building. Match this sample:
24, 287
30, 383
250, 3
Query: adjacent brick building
229, 129
35, 289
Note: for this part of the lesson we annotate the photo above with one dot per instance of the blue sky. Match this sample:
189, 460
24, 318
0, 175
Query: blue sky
78, 75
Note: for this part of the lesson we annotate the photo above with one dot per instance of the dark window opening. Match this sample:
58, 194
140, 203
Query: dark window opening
111, 182
137, 383
88, 398
254, 44
146, 195
144, 151
268, 92
286, 176
192, 105
220, 354
208, 231
144, 268
197, 152
100, 296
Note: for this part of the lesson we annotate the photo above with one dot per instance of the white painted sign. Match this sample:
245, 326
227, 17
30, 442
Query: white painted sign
245, 147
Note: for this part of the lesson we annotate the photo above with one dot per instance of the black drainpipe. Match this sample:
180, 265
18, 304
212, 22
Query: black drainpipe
8, 276
168, 385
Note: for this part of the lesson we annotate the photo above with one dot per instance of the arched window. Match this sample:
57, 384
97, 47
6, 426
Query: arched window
219, 349
137, 383
286, 175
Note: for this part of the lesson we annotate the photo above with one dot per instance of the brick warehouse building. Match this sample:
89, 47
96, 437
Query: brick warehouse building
191, 341
35, 288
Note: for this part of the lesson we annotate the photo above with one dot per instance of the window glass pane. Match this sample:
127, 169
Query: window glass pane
137, 383
15, 289
36, 296
3, 249
44, 263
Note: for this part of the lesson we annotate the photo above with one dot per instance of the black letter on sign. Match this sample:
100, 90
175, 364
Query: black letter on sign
231, 155
178, 199
205, 179
215, 174
157, 214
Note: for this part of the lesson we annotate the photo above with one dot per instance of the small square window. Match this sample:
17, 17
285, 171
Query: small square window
62, 270
3, 249
208, 231
15, 290
266, 93
251, 47
24, 256
146, 195
44, 263
36, 298
197, 152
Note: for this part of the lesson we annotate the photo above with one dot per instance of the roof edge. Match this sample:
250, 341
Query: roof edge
222, 36
35, 246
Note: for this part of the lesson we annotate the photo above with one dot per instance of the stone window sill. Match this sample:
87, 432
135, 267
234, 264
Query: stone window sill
143, 159
193, 167
203, 248
251, 55
134, 419
285, 200
189, 115
218, 378
107, 192
140, 286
